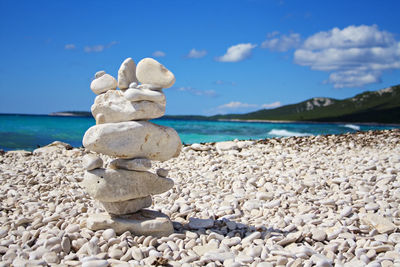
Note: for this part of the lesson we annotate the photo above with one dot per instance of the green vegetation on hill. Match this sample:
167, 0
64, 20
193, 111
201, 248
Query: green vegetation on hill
381, 106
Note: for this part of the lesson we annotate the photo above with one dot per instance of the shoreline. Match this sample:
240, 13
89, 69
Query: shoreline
185, 145
67, 114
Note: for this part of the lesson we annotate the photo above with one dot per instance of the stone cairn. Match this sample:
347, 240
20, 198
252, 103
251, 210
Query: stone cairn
125, 186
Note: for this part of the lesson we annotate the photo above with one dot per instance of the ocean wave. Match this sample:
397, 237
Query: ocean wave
286, 133
352, 126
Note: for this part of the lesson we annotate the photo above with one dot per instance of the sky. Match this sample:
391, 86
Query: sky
227, 56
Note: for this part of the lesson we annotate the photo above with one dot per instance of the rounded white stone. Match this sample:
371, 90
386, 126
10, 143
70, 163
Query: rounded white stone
104, 83
127, 73
91, 162
108, 234
150, 71
346, 211
318, 234
134, 95
133, 139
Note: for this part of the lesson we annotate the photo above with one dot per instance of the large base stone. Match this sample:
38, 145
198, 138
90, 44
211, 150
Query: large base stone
144, 222
133, 139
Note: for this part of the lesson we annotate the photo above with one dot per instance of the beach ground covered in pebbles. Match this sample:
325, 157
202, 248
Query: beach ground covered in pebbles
300, 201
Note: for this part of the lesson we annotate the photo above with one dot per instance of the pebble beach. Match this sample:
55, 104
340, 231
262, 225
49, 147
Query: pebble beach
301, 201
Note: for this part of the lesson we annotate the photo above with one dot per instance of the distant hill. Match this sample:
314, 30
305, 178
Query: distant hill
72, 113
382, 106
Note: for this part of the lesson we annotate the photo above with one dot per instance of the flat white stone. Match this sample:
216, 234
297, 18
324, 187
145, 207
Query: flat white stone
145, 222
46, 149
95, 263
150, 71
127, 73
108, 185
128, 206
134, 95
203, 249
218, 256
104, 83
381, 224
199, 147
244, 144
138, 164
91, 162
251, 237
133, 139
116, 108
50, 148
290, 238
225, 146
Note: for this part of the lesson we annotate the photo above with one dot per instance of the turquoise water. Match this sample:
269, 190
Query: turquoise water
30, 131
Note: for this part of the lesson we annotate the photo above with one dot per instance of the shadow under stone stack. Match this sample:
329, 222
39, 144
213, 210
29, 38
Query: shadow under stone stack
123, 132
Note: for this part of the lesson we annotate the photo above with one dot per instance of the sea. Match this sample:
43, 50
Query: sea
28, 132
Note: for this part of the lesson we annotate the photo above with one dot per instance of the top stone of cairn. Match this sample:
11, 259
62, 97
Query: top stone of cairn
150, 71
127, 73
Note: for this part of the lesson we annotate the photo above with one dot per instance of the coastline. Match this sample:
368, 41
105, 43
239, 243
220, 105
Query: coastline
314, 122
172, 117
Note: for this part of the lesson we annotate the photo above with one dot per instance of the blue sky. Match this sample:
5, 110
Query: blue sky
227, 56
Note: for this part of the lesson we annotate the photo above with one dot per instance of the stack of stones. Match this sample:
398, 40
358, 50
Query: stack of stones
124, 186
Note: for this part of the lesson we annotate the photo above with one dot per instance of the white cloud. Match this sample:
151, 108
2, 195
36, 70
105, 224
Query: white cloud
354, 56
196, 53
159, 54
237, 53
281, 43
94, 48
99, 48
221, 82
237, 104
272, 105
69, 47
194, 91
